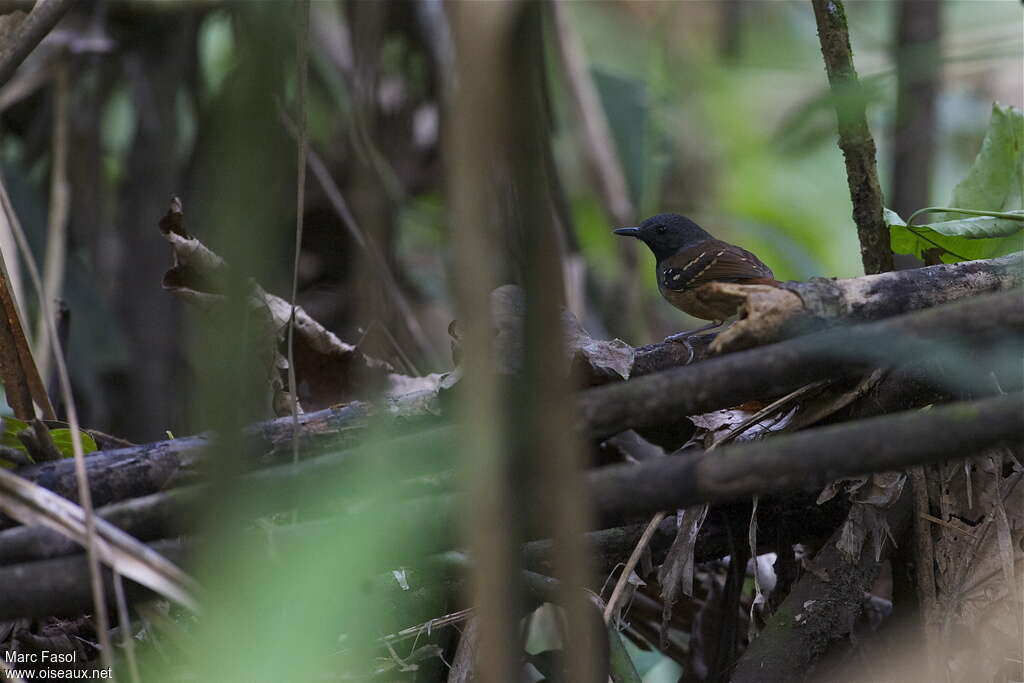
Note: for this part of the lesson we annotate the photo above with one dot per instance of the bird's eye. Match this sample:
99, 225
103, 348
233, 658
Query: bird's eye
660, 229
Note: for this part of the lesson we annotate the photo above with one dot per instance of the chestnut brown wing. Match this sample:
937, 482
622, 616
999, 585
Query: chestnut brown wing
712, 262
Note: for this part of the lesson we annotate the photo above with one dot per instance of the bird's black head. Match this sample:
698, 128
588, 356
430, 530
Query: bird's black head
667, 233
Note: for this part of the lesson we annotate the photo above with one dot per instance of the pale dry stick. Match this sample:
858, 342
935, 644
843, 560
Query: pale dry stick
25, 84
8, 673
31, 504
631, 563
302, 68
60, 207
125, 622
652, 526
606, 165
462, 667
84, 493
926, 593
44, 16
340, 206
11, 308
428, 626
604, 158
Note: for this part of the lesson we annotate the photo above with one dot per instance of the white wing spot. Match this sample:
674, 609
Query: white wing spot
694, 260
713, 262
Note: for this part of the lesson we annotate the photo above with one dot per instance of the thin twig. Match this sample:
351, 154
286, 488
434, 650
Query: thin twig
84, 493
768, 410
302, 68
340, 206
428, 626
60, 205
125, 622
24, 385
634, 558
612, 190
44, 16
652, 526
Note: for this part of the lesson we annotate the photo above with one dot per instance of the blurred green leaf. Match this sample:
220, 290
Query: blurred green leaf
62, 440
962, 239
12, 426
996, 173
216, 51
9, 439
626, 104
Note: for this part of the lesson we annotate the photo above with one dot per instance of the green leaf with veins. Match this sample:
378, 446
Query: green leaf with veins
993, 186
62, 440
962, 239
996, 175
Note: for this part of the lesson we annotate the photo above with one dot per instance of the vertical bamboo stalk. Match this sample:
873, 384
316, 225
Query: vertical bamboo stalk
551, 449
476, 117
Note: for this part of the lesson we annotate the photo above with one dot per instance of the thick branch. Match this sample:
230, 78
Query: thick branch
44, 16
777, 369
821, 608
142, 470
768, 314
134, 471
807, 459
28, 584
60, 587
854, 136
802, 460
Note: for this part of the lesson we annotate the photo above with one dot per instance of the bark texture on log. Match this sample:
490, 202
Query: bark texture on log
807, 459
820, 609
134, 471
774, 370
854, 136
29, 570
768, 314
60, 587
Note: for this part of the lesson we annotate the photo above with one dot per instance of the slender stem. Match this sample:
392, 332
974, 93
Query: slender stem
854, 137
1018, 216
60, 205
81, 475
634, 558
302, 67
44, 16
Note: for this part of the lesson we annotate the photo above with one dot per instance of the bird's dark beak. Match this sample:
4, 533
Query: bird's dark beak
628, 232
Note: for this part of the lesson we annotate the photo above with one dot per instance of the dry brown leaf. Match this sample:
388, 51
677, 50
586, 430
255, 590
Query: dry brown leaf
328, 370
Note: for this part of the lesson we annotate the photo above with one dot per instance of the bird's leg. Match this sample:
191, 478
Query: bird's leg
683, 336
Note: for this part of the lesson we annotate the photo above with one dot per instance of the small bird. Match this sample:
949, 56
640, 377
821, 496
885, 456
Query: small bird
688, 257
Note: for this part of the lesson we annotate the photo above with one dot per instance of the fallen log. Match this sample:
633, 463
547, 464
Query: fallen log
807, 459
768, 314
33, 585
821, 609
777, 369
659, 398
